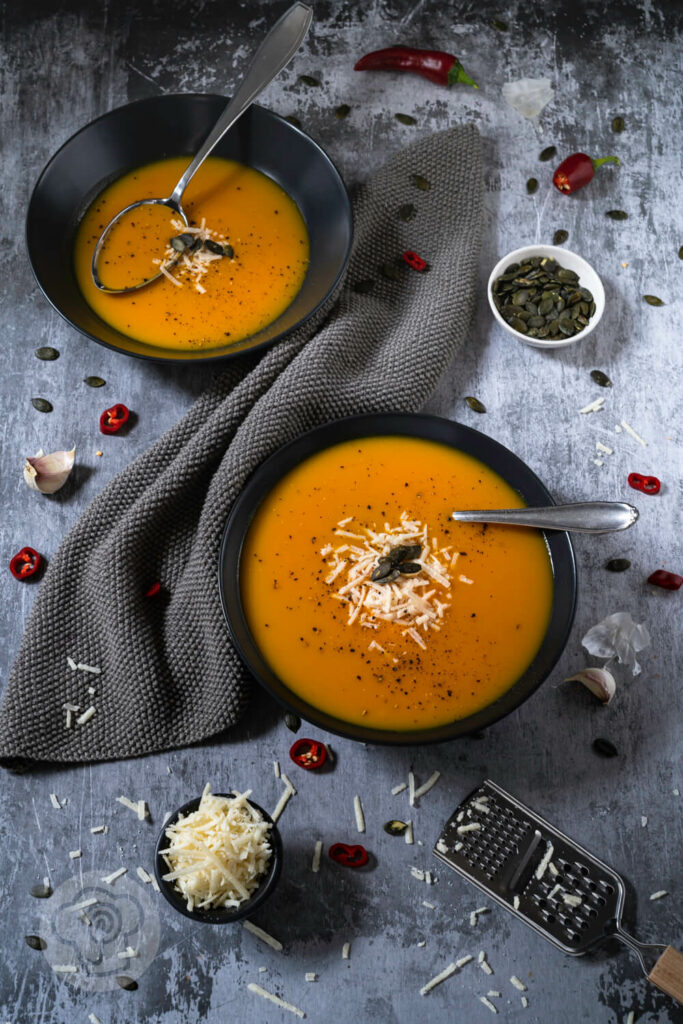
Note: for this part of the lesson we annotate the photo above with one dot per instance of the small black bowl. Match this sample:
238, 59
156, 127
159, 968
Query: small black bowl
219, 915
431, 428
163, 126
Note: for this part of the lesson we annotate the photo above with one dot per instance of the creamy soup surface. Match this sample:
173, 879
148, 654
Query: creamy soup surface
444, 638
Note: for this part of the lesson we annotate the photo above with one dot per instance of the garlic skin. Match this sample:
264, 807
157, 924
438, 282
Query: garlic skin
598, 680
47, 473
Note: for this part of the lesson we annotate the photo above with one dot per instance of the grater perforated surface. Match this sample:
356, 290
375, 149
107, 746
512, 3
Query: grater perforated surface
509, 852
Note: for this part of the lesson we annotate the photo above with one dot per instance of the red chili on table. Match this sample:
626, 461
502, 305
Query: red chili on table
414, 261
25, 564
577, 170
666, 580
308, 754
349, 856
113, 419
646, 484
439, 67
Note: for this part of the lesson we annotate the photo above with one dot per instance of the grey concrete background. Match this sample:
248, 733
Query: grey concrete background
65, 63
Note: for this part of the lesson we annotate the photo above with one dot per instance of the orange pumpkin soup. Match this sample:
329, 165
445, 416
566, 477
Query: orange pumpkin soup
455, 612
214, 299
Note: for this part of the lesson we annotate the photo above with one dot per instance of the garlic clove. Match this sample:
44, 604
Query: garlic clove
598, 680
47, 473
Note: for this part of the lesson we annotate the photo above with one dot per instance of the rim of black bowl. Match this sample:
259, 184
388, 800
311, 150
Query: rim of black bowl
430, 428
219, 915
168, 97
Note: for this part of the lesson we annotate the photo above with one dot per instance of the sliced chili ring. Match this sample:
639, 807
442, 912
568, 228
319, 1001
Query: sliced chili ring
25, 563
114, 418
666, 580
308, 754
154, 590
350, 856
414, 260
646, 484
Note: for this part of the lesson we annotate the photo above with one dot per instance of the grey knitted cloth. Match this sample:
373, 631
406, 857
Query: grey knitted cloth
169, 674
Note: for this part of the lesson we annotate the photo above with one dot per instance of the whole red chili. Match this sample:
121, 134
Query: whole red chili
25, 564
437, 66
667, 580
577, 170
308, 754
113, 419
349, 856
154, 590
646, 484
414, 261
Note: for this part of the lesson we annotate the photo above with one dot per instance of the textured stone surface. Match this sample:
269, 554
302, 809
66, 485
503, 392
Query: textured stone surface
61, 67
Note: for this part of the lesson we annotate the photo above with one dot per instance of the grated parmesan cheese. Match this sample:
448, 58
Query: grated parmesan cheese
94, 1019
311, 976
398, 789
658, 895
430, 906
74, 854
99, 829
89, 668
264, 936
594, 406
276, 769
132, 805
431, 781
572, 901
110, 879
358, 811
54, 800
86, 716
284, 800
71, 663
519, 985
643, 821
525, 1003
631, 431
143, 875
416, 873
438, 978
547, 857
346, 951
257, 990
492, 994
83, 905
463, 960
488, 1003
315, 866
441, 846
486, 967
408, 835
64, 968
128, 953
515, 902
473, 826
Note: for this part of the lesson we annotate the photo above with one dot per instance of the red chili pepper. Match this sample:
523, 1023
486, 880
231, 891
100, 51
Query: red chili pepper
349, 856
308, 754
154, 590
577, 170
113, 419
646, 484
437, 66
25, 564
667, 580
414, 261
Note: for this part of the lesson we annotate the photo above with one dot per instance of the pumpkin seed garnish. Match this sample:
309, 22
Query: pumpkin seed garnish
680, 253
41, 404
652, 300
560, 236
215, 247
228, 251
363, 287
342, 111
309, 80
46, 353
405, 119
395, 828
129, 984
502, 26
35, 942
474, 404
601, 378
182, 242
618, 565
421, 182
41, 892
292, 721
293, 120
605, 748
548, 153
391, 271
531, 186
94, 382
618, 124
407, 212
617, 214
542, 299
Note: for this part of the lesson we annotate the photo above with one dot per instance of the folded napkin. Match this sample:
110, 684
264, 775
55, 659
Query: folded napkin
169, 675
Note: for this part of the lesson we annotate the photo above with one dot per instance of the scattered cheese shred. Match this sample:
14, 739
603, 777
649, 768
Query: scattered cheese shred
416, 873
438, 978
431, 781
411, 788
525, 1003
346, 951
631, 431
128, 953
99, 829
488, 1003
408, 835
74, 854
547, 857
86, 716
430, 906
358, 811
65, 968
603, 448
110, 879
473, 826
83, 905
441, 846
257, 990
463, 960
132, 805
515, 902
283, 801
493, 994
143, 875
519, 985
594, 406
658, 895
398, 789
54, 800
572, 901
142, 810
89, 668
94, 1019
276, 769
311, 976
264, 936
486, 967
71, 663
315, 866
643, 821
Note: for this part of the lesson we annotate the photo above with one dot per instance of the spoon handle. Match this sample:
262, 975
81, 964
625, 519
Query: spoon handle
584, 517
274, 53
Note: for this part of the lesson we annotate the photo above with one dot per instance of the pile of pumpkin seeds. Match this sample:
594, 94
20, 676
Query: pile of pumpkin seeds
542, 299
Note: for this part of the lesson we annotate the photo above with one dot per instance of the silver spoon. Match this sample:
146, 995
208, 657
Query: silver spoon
583, 517
274, 53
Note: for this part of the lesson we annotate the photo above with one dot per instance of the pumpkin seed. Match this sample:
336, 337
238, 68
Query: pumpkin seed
404, 553
545, 306
47, 353
182, 242
566, 276
129, 984
228, 251
342, 111
601, 378
383, 568
215, 247
560, 236
680, 255
363, 287
392, 575
94, 382
391, 271
41, 892
293, 120
502, 26
520, 297
618, 124
536, 321
548, 153
539, 295
531, 186
405, 119
567, 328
605, 748
652, 300
409, 568
309, 80
35, 942
407, 212
518, 325
421, 182
617, 214
41, 405
395, 828
292, 721
618, 565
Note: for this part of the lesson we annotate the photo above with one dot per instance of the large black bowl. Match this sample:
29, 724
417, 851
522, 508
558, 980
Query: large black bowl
431, 428
163, 126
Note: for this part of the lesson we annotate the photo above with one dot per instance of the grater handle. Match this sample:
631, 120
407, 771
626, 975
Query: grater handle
667, 973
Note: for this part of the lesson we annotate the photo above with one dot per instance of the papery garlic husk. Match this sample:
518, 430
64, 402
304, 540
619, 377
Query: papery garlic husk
47, 473
598, 680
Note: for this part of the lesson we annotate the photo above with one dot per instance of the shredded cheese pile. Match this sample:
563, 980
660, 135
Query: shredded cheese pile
194, 265
217, 854
414, 602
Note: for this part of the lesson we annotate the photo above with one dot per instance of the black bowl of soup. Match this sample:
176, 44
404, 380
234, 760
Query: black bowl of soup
269, 197
358, 603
